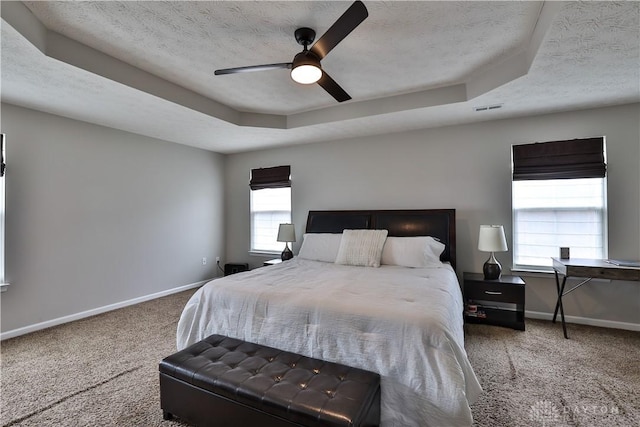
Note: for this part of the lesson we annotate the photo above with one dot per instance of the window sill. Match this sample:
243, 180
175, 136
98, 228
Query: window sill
532, 272
4, 287
265, 254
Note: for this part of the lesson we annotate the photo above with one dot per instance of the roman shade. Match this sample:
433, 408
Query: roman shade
274, 177
570, 159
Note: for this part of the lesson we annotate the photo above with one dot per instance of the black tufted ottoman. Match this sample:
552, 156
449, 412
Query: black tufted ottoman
222, 381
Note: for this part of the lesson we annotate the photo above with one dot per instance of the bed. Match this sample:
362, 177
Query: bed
402, 319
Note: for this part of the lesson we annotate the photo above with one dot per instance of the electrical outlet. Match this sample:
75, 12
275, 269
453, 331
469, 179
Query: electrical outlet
204, 260
217, 260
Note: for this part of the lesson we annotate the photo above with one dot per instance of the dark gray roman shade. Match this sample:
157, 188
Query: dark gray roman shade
571, 159
275, 177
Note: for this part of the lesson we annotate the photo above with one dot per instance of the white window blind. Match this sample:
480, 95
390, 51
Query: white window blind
270, 207
549, 214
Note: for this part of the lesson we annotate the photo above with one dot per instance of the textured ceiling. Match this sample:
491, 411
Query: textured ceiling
147, 67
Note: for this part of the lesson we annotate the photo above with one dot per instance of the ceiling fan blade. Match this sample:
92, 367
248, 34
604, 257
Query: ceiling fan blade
349, 20
251, 68
333, 88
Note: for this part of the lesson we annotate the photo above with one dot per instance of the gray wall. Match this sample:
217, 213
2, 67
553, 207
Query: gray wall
97, 216
467, 168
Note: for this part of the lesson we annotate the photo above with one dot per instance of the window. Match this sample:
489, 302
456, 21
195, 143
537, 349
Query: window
2, 166
270, 207
559, 200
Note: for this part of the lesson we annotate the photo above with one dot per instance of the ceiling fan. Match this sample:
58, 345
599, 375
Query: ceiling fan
305, 67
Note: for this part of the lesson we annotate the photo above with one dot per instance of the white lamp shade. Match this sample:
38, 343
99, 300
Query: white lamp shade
286, 233
492, 239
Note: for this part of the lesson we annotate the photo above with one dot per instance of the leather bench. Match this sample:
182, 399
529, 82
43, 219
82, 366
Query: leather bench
222, 381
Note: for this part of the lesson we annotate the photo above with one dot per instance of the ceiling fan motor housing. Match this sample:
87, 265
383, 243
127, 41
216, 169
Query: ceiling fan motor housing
306, 58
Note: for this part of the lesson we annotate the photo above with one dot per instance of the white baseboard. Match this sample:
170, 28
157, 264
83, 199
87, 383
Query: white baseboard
584, 321
77, 316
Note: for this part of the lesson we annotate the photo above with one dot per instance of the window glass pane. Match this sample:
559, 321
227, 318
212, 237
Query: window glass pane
269, 208
549, 214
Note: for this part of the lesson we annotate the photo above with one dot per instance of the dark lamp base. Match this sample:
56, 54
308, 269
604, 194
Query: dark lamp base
492, 271
286, 254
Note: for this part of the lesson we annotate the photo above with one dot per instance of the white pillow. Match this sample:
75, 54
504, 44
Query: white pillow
361, 247
320, 246
420, 251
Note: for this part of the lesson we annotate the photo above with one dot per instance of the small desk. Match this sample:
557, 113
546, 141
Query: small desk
588, 269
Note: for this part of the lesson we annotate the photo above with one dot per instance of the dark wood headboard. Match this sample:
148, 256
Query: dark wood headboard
437, 223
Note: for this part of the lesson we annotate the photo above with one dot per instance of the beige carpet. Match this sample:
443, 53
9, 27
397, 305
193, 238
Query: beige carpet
538, 378
103, 371
99, 371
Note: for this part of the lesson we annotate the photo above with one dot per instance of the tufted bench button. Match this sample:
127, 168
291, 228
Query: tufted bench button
269, 387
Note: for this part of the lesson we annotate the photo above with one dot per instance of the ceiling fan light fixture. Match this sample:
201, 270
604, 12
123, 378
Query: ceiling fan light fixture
306, 74
306, 68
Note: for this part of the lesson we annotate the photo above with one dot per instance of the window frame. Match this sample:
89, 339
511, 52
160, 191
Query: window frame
559, 161
3, 284
275, 178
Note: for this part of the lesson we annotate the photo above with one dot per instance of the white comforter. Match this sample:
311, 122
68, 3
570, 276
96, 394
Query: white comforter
404, 323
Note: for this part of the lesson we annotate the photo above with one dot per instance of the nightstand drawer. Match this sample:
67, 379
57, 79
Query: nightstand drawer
494, 291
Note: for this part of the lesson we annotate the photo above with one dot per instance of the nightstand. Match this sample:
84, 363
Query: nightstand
494, 302
272, 262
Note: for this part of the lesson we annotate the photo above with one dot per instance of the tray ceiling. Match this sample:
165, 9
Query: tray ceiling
147, 67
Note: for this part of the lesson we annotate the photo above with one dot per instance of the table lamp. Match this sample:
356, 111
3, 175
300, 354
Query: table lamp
286, 233
492, 239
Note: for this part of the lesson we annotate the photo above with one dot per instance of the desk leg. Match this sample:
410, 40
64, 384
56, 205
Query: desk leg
560, 289
564, 325
555, 312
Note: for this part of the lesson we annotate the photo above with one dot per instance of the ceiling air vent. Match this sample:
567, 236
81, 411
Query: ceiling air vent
488, 107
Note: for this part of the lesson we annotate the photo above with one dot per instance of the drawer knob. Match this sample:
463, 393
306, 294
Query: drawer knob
492, 293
